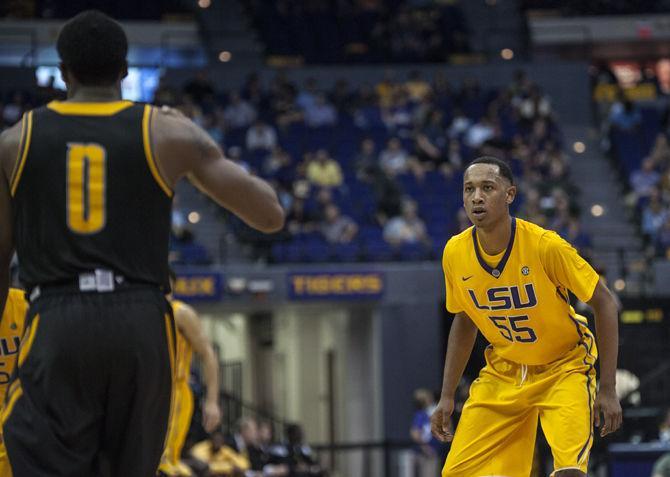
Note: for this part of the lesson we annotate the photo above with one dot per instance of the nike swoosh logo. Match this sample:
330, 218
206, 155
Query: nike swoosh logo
466, 278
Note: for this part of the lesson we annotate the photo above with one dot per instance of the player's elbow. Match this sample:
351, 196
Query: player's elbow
272, 220
210, 358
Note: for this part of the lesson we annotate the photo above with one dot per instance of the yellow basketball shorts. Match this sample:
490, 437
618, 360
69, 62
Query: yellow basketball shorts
497, 430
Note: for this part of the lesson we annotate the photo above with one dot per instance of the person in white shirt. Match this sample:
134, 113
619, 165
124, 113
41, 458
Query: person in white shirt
239, 113
261, 136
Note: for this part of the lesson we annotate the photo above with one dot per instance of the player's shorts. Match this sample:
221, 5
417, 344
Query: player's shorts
497, 429
92, 396
180, 422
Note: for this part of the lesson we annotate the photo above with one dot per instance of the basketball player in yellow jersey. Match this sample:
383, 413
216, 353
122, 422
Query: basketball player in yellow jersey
190, 337
11, 331
510, 280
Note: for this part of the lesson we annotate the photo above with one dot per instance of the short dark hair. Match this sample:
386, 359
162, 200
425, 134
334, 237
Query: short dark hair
172, 274
93, 48
505, 169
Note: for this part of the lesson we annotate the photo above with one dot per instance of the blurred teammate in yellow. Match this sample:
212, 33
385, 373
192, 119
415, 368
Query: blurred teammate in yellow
190, 337
510, 279
11, 331
221, 459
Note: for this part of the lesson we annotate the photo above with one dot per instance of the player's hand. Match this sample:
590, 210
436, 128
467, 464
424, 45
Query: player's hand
440, 421
608, 404
211, 415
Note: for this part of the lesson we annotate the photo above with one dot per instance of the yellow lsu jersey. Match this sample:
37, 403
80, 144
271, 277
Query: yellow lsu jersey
519, 298
11, 331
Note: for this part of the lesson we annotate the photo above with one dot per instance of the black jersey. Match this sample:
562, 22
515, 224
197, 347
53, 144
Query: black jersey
87, 194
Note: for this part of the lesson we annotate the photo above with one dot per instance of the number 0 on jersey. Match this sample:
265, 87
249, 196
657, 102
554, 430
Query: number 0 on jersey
86, 187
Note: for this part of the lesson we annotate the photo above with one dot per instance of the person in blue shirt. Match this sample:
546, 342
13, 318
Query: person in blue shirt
427, 453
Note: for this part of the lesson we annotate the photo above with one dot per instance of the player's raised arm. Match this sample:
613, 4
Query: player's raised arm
183, 148
606, 313
9, 145
459, 348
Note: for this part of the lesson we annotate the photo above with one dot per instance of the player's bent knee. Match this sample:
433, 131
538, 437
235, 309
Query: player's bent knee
569, 473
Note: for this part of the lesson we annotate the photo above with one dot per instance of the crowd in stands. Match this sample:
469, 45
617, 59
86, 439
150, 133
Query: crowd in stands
251, 451
61, 9
635, 118
615, 82
371, 173
637, 136
322, 31
596, 7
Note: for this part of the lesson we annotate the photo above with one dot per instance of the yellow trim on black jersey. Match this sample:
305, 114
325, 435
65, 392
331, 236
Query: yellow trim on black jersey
22, 140
24, 145
27, 343
7, 411
13, 387
148, 151
108, 108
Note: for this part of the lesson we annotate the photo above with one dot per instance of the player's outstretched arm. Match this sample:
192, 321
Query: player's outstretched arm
183, 148
9, 146
607, 403
459, 348
189, 325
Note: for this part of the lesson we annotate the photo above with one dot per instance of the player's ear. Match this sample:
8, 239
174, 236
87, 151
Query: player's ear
511, 194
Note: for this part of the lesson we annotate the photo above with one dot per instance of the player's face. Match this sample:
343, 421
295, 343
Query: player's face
486, 194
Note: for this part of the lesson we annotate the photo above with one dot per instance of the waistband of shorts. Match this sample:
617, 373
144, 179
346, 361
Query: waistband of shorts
98, 281
575, 352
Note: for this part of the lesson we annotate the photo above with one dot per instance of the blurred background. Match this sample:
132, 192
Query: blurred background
362, 114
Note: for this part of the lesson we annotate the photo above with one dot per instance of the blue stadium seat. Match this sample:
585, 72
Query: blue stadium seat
413, 252
190, 254
316, 249
346, 252
629, 149
378, 251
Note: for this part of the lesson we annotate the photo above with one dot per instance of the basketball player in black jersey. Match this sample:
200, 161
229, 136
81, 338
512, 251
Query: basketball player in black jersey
85, 192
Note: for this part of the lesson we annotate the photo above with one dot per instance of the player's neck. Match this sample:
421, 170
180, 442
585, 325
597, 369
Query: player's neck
495, 239
94, 94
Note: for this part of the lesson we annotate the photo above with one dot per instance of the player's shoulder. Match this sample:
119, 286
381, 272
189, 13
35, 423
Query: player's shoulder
174, 133
10, 141
543, 240
457, 242
11, 134
172, 118
178, 305
529, 228
182, 310
534, 233
185, 317
11, 137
